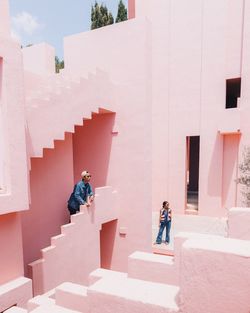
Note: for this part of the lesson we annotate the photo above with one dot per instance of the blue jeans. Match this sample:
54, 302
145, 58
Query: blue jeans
162, 226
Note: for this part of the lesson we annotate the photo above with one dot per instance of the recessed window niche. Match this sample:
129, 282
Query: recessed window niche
233, 87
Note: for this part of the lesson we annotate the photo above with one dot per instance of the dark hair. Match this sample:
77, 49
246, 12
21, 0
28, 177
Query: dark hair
164, 203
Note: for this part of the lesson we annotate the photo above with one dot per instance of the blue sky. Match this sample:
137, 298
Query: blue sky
34, 21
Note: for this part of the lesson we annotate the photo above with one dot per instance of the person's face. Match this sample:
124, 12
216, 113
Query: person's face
87, 178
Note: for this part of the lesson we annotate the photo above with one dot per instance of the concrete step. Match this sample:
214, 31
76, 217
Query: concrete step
102, 273
38, 301
153, 267
72, 296
15, 309
47, 308
127, 295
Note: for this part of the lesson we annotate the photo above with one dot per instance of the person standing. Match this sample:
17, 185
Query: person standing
165, 218
81, 195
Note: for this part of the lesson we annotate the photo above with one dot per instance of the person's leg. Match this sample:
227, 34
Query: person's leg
159, 236
71, 210
168, 226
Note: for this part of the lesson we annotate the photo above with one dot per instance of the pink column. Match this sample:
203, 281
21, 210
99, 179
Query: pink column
131, 9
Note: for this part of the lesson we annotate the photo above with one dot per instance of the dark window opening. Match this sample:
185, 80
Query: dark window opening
192, 172
232, 92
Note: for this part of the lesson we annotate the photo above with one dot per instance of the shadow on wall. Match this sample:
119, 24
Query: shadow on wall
107, 240
91, 146
215, 168
52, 179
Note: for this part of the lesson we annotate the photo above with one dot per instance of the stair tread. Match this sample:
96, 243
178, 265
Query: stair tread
101, 272
53, 309
73, 288
137, 290
151, 257
16, 309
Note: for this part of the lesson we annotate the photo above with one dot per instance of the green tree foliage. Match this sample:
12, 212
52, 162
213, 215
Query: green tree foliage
100, 16
244, 177
58, 64
122, 13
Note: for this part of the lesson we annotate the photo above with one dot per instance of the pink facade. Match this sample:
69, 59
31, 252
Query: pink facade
156, 108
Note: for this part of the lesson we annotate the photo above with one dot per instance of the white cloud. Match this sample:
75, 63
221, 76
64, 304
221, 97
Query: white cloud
25, 23
15, 35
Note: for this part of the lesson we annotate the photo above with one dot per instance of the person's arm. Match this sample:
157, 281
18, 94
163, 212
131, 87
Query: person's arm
90, 191
169, 214
77, 194
90, 194
160, 218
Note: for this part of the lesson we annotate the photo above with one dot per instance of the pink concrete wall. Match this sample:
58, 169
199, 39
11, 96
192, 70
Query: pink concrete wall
39, 58
129, 170
203, 270
51, 181
14, 194
4, 19
92, 144
239, 223
11, 261
230, 170
207, 40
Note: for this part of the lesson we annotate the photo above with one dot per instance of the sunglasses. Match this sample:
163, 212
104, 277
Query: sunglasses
88, 176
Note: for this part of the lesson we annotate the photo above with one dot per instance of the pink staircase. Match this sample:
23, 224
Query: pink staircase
55, 105
74, 253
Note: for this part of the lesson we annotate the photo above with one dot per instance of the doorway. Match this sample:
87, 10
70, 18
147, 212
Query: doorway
192, 173
107, 241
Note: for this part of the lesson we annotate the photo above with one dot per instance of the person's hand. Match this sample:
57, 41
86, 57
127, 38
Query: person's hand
87, 204
91, 198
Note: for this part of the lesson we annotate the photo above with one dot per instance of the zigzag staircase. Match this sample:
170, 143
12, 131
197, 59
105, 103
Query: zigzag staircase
76, 251
55, 105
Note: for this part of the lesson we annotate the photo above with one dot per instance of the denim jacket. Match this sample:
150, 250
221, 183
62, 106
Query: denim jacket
79, 195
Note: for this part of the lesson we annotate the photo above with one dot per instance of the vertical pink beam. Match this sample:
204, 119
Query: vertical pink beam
4, 19
131, 9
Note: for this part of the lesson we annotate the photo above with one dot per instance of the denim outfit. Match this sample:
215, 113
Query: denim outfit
79, 196
165, 221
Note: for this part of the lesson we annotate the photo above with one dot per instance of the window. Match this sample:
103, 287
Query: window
232, 92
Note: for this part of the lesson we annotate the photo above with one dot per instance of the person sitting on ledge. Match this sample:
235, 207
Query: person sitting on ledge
81, 195
164, 221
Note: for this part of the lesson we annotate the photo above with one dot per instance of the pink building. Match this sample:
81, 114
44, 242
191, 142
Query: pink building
156, 108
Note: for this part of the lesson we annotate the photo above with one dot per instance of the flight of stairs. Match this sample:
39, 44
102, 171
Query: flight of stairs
76, 251
56, 105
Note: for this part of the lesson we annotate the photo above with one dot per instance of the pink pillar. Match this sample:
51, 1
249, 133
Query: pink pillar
131, 9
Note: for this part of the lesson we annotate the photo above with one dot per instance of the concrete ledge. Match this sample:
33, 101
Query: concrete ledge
213, 267
15, 309
38, 301
72, 296
53, 309
239, 223
220, 244
152, 267
16, 292
101, 273
132, 295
